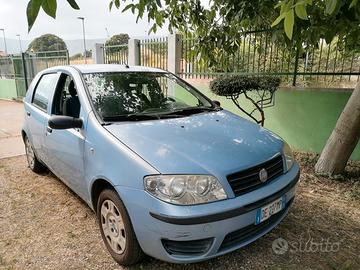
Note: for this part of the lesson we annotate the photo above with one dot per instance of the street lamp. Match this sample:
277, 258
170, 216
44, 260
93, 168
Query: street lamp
3, 30
18, 35
83, 26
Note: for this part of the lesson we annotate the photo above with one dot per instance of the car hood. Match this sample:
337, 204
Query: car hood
215, 143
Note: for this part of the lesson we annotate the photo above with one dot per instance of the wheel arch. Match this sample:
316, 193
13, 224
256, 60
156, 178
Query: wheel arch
23, 135
97, 187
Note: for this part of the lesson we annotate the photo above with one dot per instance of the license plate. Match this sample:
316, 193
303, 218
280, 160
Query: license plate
270, 209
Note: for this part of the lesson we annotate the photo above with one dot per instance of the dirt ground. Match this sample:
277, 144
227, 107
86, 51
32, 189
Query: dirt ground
43, 225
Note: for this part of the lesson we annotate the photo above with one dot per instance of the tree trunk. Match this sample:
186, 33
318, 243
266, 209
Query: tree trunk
343, 138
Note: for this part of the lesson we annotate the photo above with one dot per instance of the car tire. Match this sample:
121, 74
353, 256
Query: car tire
116, 229
34, 164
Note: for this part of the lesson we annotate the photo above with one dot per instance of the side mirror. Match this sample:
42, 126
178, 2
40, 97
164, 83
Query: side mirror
64, 122
217, 103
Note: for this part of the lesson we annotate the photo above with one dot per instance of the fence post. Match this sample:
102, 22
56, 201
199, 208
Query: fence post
98, 53
134, 52
174, 53
67, 57
296, 66
25, 72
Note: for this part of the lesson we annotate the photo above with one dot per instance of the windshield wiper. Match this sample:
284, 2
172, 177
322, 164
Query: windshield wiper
131, 117
140, 117
192, 110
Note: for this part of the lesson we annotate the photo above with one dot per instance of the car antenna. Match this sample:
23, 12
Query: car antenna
126, 65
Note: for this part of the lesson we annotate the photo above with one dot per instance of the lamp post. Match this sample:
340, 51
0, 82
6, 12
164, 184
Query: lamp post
107, 32
3, 30
18, 35
83, 26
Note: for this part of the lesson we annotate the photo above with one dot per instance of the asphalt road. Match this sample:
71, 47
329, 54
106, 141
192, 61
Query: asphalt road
11, 120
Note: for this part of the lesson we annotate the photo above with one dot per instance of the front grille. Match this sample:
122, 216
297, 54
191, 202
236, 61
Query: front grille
244, 234
187, 248
248, 180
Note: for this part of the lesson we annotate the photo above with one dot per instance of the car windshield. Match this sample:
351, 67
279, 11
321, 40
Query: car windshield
136, 96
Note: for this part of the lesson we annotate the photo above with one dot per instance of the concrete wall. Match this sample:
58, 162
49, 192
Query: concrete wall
304, 118
8, 89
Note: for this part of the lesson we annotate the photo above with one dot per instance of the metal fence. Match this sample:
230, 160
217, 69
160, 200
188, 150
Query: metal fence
117, 54
258, 54
23, 67
154, 52
6, 68
329, 65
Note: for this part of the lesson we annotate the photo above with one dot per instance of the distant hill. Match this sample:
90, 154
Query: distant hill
74, 46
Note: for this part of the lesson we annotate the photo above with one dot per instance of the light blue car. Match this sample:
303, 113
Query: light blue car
167, 171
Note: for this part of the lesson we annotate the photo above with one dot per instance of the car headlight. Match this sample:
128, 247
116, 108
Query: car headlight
185, 189
289, 157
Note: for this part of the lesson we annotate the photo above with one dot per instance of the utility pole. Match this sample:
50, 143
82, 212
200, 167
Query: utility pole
83, 27
3, 30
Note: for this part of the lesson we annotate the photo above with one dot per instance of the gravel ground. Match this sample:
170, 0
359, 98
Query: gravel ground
44, 225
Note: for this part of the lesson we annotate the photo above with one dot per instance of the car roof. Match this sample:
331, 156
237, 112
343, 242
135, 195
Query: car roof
95, 68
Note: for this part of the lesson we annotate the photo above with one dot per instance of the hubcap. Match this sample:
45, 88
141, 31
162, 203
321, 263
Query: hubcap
113, 226
30, 156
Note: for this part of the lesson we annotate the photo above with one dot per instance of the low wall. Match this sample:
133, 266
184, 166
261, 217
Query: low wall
8, 89
304, 118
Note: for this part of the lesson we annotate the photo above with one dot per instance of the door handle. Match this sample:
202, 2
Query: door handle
28, 113
48, 129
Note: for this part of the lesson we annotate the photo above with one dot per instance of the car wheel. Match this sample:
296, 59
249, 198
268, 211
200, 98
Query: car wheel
116, 229
33, 162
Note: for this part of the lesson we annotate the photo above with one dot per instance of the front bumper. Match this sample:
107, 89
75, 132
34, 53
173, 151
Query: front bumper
215, 228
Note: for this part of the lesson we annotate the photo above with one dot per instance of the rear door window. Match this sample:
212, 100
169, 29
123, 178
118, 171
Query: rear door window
43, 90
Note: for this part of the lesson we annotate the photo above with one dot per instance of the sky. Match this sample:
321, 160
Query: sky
67, 26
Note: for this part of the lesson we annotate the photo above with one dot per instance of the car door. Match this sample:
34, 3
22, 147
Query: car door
65, 147
37, 112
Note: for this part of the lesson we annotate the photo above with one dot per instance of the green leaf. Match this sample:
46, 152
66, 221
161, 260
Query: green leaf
73, 4
158, 19
158, 2
353, 3
300, 11
111, 5
330, 6
32, 12
329, 35
289, 23
127, 7
49, 6
278, 19
278, 5
117, 3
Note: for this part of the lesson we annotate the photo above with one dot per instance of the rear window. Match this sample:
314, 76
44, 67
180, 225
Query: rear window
43, 90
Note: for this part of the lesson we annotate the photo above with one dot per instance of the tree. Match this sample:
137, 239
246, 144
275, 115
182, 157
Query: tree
296, 23
259, 91
47, 42
119, 39
116, 40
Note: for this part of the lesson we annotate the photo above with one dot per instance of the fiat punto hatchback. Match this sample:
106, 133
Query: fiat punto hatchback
168, 172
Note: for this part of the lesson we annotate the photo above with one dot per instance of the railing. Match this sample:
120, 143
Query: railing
258, 54
154, 52
117, 54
